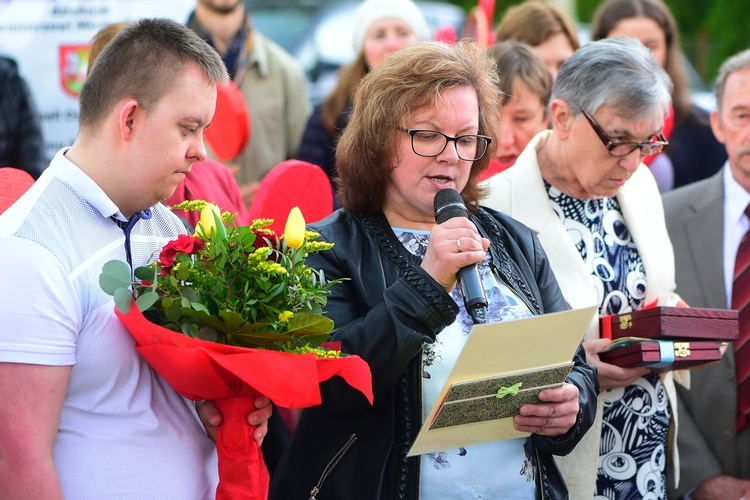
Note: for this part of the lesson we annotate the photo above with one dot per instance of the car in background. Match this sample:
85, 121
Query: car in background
318, 33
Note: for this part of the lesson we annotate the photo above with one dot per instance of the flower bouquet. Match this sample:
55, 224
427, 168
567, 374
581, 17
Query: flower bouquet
230, 313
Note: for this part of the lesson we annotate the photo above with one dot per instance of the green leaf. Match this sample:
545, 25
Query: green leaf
115, 275
146, 300
146, 273
183, 272
199, 307
207, 319
173, 312
221, 230
208, 333
309, 324
266, 340
310, 340
188, 296
123, 300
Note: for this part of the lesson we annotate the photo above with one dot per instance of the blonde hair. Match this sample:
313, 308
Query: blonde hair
102, 38
533, 23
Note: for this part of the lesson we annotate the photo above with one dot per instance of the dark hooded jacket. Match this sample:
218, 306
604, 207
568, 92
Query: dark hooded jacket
21, 143
385, 312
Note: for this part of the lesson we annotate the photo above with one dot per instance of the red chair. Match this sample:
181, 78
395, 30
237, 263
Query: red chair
13, 183
229, 132
293, 183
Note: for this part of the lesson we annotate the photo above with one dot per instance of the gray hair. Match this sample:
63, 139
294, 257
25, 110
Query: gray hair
737, 62
618, 72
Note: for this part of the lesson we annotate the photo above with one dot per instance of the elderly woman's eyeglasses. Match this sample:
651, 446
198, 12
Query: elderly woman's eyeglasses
625, 148
431, 143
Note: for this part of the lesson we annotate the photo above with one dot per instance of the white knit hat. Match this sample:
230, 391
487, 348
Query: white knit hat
370, 11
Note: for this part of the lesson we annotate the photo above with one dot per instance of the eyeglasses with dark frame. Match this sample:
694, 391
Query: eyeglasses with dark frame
625, 148
430, 143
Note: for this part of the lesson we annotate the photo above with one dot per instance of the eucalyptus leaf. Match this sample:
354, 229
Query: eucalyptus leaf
173, 312
123, 300
208, 333
199, 307
146, 300
115, 275
145, 273
183, 272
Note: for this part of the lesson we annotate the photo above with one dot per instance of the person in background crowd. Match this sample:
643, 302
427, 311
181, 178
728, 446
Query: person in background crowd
597, 211
694, 153
272, 82
100, 40
423, 121
527, 84
86, 416
207, 180
708, 222
380, 28
548, 30
21, 140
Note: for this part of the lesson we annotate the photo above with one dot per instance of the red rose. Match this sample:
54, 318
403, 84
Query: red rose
261, 237
183, 244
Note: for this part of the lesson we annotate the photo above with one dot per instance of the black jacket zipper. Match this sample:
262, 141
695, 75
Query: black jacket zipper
332, 465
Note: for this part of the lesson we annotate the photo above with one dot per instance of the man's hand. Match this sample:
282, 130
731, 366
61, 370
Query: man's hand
212, 419
554, 417
724, 487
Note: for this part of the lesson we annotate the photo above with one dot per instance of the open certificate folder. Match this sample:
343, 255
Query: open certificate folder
502, 367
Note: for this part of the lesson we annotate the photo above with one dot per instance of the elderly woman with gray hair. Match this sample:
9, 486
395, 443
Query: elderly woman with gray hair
582, 187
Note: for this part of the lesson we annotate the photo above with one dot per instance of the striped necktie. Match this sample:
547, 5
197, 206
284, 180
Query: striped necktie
741, 302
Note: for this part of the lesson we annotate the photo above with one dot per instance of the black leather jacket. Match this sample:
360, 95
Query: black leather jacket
21, 143
385, 312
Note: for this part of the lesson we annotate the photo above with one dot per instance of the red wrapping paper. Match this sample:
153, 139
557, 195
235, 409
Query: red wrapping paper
233, 377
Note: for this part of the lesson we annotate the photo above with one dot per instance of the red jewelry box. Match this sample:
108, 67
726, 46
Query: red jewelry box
663, 354
673, 323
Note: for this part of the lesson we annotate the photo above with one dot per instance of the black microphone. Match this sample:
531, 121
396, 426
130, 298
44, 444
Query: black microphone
449, 204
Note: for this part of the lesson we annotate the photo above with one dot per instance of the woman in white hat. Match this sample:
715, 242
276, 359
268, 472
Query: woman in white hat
380, 28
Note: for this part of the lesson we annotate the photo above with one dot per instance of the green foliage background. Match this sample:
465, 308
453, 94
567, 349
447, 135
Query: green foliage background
710, 30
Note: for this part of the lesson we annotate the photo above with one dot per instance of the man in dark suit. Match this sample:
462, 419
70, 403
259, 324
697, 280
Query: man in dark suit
706, 222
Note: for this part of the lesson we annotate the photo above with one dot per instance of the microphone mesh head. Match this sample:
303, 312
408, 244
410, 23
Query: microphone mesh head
449, 204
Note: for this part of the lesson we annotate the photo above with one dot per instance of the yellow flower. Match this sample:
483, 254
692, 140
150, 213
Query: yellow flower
294, 231
285, 317
210, 221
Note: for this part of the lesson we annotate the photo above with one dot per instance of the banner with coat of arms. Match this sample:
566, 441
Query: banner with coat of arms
49, 39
